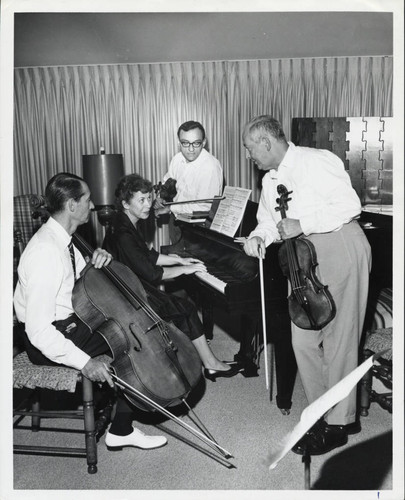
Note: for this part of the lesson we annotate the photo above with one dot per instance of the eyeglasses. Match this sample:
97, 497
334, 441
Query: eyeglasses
195, 144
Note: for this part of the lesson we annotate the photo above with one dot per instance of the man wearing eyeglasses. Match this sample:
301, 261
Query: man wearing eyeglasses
198, 174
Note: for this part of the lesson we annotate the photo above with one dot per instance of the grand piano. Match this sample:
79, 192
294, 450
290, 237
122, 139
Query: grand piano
232, 284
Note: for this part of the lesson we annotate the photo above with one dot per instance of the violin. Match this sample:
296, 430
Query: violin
154, 363
168, 191
310, 304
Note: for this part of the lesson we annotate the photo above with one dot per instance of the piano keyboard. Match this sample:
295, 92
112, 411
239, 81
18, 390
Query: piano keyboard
211, 280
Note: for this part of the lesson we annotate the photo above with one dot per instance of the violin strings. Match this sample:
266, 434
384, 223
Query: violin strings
291, 250
294, 272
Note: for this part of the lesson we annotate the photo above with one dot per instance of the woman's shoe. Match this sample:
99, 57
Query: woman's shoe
214, 374
231, 363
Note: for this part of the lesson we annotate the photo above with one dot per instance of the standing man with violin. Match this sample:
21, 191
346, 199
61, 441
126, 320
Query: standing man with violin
323, 208
43, 301
198, 174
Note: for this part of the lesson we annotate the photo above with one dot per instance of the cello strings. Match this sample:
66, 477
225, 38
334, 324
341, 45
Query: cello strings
131, 297
127, 291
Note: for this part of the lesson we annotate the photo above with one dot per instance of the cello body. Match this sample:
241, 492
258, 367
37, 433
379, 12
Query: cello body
153, 356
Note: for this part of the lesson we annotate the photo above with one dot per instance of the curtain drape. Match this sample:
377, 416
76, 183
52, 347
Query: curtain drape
62, 113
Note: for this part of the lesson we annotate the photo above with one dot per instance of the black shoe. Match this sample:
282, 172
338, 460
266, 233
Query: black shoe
321, 439
353, 428
214, 374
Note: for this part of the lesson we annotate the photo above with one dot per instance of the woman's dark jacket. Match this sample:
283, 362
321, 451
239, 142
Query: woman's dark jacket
127, 245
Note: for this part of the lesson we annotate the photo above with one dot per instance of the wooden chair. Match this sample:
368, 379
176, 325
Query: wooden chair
35, 379
376, 341
26, 375
376, 385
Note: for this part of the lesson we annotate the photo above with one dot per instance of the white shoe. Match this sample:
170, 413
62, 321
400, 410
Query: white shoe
137, 438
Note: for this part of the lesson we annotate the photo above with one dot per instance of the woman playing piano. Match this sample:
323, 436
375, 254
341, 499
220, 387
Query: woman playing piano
127, 244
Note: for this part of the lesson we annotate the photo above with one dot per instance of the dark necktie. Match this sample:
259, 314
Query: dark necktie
72, 258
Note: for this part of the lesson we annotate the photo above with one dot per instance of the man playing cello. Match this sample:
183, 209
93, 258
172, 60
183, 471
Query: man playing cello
43, 301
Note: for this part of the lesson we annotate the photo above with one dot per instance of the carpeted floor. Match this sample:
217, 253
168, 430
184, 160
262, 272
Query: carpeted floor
243, 420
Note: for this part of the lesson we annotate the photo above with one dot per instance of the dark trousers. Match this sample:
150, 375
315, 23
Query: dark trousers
92, 344
75, 330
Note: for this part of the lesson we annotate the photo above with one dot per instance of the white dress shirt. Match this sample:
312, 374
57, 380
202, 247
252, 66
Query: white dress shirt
44, 293
196, 180
322, 197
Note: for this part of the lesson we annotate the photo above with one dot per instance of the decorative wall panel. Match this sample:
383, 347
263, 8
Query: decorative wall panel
364, 144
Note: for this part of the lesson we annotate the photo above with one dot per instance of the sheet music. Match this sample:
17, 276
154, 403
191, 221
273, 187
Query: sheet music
230, 210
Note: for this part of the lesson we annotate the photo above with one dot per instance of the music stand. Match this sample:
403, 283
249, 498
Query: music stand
312, 413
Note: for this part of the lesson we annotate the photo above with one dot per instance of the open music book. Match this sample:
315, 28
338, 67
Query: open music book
226, 215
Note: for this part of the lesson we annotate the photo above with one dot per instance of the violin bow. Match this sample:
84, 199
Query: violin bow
168, 203
263, 318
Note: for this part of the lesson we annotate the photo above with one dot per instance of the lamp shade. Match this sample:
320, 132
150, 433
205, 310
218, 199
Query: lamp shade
102, 173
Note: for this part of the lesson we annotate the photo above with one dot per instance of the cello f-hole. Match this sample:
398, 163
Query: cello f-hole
138, 348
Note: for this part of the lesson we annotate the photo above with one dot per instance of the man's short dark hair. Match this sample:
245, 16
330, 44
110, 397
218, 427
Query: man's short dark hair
266, 123
128, 186
61, 188
190, 125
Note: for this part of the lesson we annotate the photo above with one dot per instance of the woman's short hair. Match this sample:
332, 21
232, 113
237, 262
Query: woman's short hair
128, 186
61, 188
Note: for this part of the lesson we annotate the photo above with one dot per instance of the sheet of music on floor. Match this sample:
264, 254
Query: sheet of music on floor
230, 210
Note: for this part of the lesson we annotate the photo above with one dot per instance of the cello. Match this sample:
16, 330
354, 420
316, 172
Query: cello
154, 363
310, 304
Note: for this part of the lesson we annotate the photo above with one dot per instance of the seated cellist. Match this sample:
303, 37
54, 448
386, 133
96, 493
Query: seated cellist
47, 271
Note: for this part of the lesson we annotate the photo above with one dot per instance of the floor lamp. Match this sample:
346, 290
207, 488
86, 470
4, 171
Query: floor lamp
102, 173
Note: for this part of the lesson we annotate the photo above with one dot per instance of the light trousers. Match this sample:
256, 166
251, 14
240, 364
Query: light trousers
326, 356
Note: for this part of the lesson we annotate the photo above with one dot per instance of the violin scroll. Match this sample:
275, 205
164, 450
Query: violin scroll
166, 191
283, 200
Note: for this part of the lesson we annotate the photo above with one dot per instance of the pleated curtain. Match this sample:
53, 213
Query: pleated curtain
62, 113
